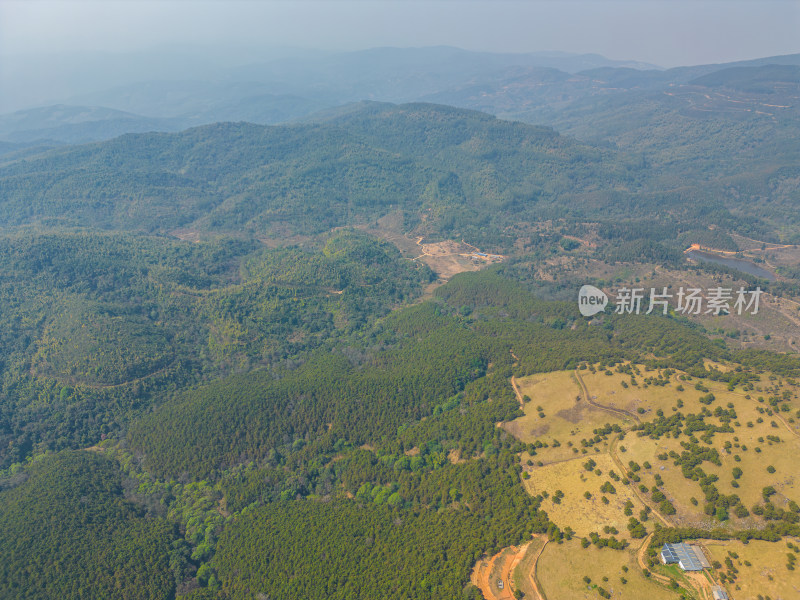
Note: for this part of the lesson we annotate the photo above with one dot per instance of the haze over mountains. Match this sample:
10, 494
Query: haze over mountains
103, 100
31, 81
649, 138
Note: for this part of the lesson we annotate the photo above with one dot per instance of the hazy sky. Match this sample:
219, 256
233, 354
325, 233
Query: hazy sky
668, 33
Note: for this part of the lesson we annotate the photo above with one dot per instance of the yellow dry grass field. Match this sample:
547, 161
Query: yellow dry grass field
748, 448
608, 390
677, 489
583, 515
762, 568
568, 418
763, 444
562, 567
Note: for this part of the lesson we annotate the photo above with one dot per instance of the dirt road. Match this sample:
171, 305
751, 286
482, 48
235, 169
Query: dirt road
617, 411
517, 392
485, 574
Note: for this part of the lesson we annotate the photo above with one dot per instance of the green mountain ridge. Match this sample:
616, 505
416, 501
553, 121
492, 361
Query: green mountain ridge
309, 178
451, 173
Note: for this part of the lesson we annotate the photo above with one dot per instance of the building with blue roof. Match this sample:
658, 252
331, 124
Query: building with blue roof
688, 558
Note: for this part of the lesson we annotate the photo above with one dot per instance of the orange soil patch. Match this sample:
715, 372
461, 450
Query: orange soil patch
484, 574
480, 577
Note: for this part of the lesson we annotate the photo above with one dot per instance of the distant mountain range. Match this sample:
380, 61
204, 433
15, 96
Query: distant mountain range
546, 88
77, 124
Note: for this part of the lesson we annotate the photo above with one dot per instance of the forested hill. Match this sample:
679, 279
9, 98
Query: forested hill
736, 124
308, 178
370, 467
452, 173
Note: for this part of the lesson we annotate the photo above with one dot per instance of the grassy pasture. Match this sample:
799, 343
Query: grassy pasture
766, 574
749, 443
562, 567
570, 420
609, 390
567, 416
575, 510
